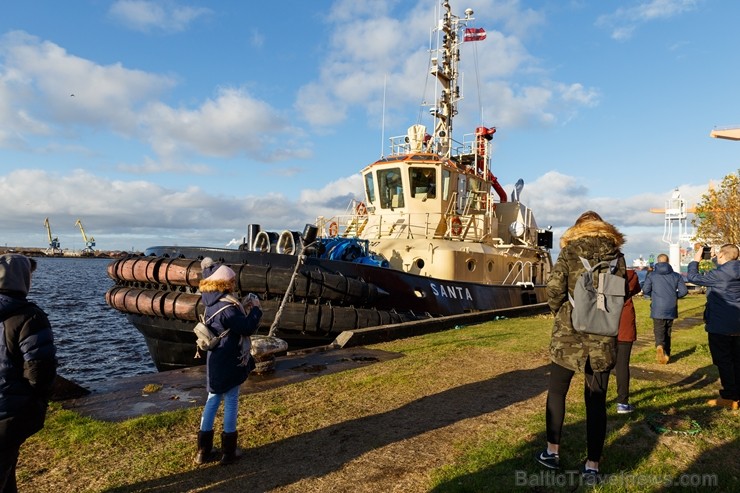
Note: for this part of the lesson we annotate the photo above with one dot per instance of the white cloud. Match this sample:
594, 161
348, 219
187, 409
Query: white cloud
42, 82
233, 123
624, 21
166, 16
45, 91
257, 39
558, 199
121, 213
376, 57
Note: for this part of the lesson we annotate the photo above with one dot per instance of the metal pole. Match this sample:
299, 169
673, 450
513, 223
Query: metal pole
275, 322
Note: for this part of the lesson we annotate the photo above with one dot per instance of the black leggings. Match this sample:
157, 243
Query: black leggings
595, 397
622, 371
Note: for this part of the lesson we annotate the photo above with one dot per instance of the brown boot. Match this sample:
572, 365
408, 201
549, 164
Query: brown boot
722, 402
228, 445
205, 447
660, 355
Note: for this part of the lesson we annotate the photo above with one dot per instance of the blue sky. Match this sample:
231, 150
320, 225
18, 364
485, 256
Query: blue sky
180, 122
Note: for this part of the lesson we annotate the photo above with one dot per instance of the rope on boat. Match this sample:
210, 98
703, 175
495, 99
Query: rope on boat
276, 320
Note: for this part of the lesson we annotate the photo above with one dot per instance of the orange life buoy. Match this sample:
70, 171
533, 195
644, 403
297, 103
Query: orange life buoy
333, 228
361, 209
456, 226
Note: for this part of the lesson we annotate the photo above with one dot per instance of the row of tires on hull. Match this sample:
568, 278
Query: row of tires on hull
318, 319
264, 280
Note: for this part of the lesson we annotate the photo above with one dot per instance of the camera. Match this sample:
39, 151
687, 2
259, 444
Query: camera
706, 252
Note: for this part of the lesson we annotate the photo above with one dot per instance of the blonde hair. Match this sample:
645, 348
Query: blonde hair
730, 251
662, 258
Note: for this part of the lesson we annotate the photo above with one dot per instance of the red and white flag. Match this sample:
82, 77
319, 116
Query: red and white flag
474, 34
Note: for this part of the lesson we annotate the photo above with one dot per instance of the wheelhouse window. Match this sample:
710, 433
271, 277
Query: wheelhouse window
445, 184
423, 182
369, 188
391, 188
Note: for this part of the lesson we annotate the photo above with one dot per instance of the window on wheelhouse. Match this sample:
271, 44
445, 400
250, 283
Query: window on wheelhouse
445, 184
423, 183
391, 188
369, 188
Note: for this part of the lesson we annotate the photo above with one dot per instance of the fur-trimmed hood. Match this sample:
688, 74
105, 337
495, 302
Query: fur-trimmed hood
592, 229
215, 286
217, 278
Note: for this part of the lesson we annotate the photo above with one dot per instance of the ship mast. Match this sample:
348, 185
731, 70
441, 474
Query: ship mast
445, 68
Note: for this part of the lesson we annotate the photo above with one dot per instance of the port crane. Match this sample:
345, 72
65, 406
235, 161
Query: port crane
54, 246
89, 242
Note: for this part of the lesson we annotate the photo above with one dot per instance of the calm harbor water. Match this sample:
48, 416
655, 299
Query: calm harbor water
94, 342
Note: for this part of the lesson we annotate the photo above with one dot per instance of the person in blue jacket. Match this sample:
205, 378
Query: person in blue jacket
229, 364
722, 319
664, 287
28, 364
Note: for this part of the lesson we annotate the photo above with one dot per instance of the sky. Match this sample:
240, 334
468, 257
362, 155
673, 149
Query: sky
181, 122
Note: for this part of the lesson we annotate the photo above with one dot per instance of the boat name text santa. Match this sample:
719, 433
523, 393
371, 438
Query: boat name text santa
457, 292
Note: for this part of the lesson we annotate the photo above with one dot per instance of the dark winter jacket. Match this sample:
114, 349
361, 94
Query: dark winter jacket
628, 321
722, 312
223, 366
664, 287
27, 367
596, 241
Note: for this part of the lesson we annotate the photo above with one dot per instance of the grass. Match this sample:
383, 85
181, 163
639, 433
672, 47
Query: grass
462, 411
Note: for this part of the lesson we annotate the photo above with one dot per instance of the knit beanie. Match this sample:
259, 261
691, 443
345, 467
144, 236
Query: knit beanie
216, 272
15, 272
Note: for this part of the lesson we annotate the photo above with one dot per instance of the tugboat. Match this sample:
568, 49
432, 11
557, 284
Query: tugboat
435, 235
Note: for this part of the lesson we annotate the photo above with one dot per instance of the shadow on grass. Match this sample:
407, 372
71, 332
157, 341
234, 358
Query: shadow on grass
631, 442
284, 462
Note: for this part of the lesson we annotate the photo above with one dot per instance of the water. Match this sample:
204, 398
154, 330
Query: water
94, 342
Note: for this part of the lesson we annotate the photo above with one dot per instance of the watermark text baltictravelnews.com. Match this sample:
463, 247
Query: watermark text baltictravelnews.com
574, 478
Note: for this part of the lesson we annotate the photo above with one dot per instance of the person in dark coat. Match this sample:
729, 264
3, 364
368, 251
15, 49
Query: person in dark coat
229, 364
722, 319
664, 287
570, 351
625, 338
28, 364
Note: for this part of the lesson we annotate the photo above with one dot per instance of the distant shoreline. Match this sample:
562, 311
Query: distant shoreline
43, 252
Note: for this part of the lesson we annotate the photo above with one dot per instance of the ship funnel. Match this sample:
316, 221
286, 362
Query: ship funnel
252, 231
309, 234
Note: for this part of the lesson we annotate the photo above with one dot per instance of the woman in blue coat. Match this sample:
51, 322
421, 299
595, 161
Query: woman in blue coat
664, 287
228, 365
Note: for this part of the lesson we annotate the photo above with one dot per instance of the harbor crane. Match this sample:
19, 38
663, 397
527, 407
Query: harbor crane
89, 242
54, 246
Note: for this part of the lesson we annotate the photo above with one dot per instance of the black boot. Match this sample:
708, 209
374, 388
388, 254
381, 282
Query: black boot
205, 446
228, 445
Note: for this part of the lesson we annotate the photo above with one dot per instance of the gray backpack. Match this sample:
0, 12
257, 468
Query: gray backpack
597, 307
205, 338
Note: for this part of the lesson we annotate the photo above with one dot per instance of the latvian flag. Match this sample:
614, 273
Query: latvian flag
474, 34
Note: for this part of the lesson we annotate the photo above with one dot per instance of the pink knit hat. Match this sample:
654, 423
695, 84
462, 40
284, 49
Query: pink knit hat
223, 273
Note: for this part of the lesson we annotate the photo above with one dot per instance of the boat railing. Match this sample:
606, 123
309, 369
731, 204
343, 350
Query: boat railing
399, 145
471, 227
521, 272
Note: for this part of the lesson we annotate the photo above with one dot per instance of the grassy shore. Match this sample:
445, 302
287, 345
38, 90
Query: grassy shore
461, 411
